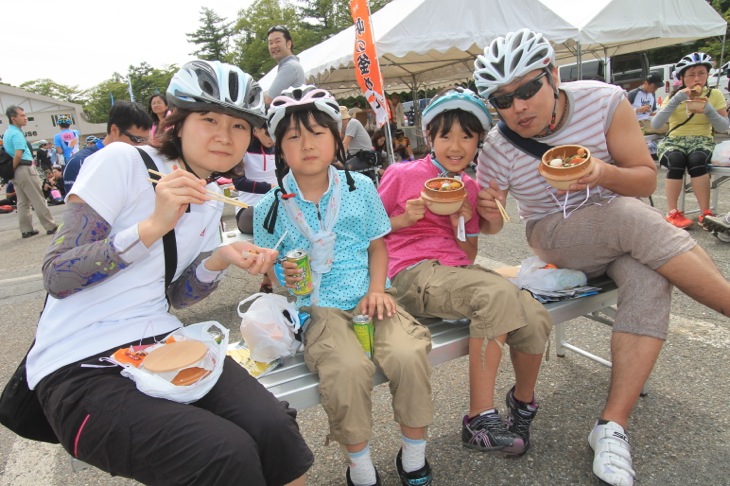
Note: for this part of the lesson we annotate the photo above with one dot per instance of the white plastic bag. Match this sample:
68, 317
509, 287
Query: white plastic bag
721, 154
533, 275
156, 386
268, 327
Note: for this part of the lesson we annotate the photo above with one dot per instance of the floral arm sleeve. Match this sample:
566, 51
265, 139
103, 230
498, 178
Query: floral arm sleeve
195, 283
81, 254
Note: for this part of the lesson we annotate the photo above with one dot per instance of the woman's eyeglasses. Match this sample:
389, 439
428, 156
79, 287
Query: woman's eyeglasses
135, 138
524, 92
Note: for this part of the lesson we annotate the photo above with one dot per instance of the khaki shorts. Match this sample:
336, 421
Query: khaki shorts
401, 350
626, 239
494, 305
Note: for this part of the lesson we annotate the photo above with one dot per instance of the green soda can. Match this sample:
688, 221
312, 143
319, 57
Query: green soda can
363, 327
301, 258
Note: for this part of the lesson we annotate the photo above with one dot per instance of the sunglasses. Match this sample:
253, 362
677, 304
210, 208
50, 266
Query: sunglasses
135, 138
524, 92
278, 28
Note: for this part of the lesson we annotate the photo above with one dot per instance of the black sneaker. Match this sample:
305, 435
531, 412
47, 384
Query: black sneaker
487, 433
28, 234
519, 417
52, 231
377, 478
420, 477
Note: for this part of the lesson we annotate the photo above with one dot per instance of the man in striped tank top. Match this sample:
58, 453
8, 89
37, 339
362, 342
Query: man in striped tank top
599, 225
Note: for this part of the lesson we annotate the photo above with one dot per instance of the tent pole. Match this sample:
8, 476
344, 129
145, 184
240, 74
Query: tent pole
722, 58
579, 58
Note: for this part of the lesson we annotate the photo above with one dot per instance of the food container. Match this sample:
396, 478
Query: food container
575, 162
696, 105
181, 363
445, 195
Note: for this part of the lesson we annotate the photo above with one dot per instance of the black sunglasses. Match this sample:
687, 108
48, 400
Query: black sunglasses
135, 138
524, 92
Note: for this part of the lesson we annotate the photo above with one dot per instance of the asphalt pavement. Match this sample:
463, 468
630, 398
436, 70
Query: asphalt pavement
680, 432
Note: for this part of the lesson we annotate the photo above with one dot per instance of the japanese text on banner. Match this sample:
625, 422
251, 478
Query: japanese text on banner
367, 67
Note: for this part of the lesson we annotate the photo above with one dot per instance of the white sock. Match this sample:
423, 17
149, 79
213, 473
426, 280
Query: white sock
362, 471
414, 453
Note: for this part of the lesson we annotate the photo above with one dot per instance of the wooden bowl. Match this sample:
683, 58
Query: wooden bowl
561, 177
444, 200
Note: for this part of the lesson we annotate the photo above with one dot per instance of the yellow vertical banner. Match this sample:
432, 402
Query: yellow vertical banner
367, 67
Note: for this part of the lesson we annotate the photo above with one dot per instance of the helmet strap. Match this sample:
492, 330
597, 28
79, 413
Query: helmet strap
556, 95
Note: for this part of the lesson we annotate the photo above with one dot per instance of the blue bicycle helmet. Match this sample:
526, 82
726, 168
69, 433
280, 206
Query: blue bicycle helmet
457, 98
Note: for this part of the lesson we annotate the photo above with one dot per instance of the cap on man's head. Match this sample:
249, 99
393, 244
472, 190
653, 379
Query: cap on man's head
655, 79
345, 112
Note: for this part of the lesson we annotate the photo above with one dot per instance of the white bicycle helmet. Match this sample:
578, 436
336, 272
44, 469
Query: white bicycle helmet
63, 120
299, 98
457, 98
214, 86
510, 57
694, 59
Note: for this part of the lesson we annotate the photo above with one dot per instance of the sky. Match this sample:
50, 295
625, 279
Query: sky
82, 42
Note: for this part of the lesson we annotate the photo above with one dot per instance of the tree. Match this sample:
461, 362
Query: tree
100, 97
251, 51
324, 18
212, 37
47, 87
147, 80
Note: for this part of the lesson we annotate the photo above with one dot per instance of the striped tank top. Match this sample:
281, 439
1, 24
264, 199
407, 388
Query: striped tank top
592, 105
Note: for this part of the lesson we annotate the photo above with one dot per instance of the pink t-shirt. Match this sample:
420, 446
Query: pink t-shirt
431, 238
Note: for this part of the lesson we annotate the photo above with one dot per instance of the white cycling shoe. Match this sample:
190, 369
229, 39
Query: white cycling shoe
612, 454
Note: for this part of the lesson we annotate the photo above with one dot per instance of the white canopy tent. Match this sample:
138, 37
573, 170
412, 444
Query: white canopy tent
424, 43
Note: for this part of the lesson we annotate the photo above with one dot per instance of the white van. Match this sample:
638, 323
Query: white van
719, 79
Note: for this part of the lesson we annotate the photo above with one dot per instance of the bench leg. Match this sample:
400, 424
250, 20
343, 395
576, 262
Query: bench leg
559, 339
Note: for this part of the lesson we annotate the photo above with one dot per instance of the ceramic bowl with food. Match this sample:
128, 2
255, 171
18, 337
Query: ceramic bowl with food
182, 363
444, 195
563, 165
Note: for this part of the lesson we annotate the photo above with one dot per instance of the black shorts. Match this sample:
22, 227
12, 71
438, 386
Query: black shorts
239, 433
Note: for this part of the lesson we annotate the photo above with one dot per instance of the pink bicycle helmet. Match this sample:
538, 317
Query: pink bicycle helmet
301, 98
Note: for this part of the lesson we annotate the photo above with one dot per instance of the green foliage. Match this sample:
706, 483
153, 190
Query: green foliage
147, 80
99, 104
47, 87
250, 51
212, 37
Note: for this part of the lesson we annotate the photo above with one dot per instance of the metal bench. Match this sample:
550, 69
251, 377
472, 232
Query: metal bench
719, 175
294, 383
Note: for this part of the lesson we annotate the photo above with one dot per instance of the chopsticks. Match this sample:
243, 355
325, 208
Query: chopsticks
213, 195
502, 211
247, 254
